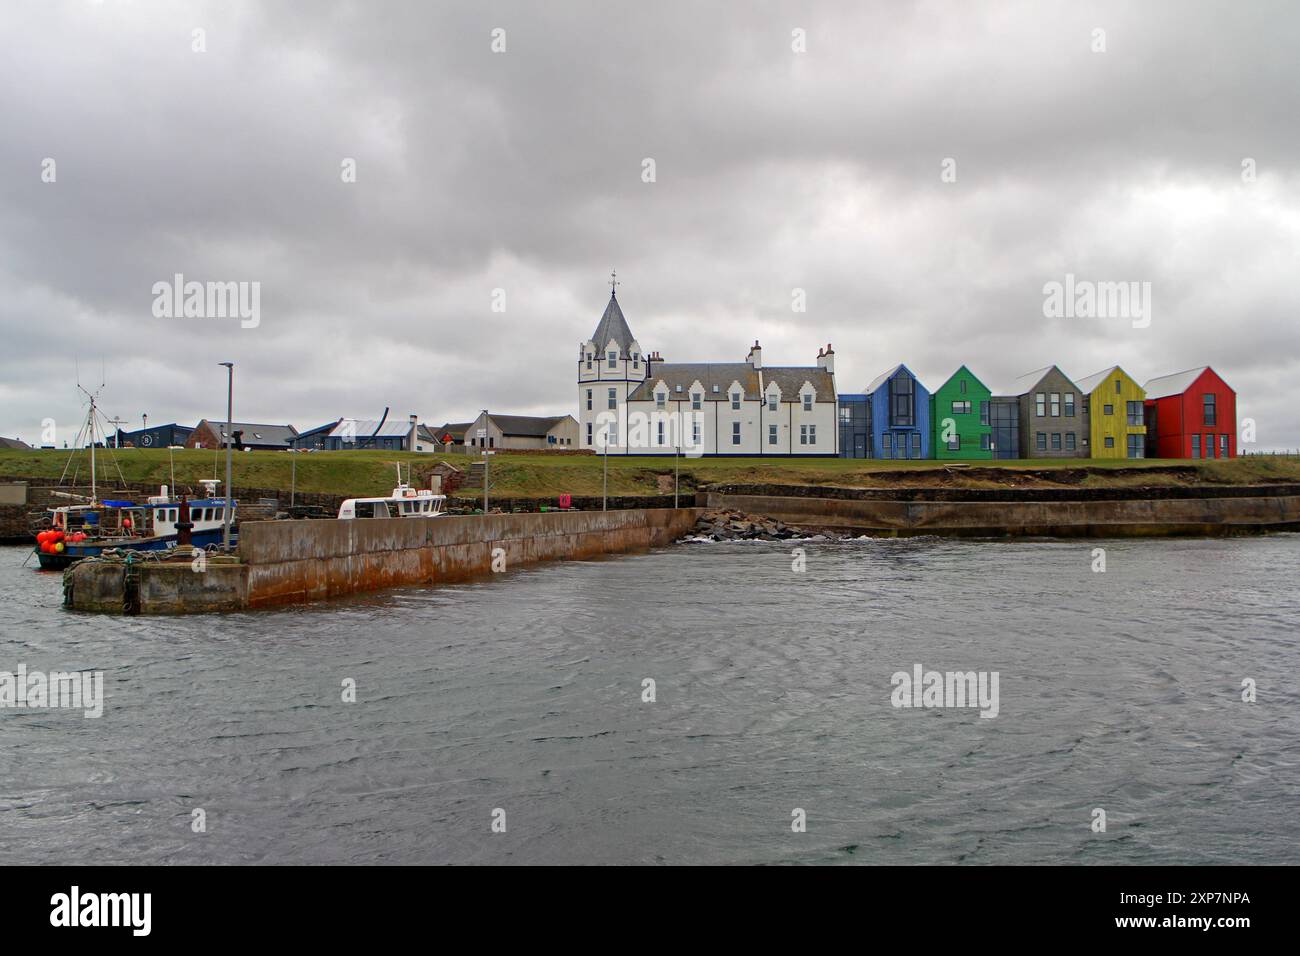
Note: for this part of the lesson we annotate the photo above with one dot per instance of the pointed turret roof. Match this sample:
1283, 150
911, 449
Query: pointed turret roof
612, 327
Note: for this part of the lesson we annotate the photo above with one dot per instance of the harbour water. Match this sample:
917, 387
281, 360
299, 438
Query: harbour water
1119, 691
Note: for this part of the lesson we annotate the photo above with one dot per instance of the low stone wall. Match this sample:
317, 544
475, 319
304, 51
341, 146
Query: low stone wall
1096, 517
293, 561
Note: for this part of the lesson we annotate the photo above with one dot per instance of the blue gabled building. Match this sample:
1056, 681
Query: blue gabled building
900, 415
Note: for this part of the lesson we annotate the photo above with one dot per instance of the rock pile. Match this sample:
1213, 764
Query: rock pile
737, 526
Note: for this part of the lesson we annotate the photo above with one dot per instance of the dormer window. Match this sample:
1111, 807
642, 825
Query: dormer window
588, 361
771, 402
716, 389
696, 399
807, 402
613, 359
678, 388
660, 399
735, 401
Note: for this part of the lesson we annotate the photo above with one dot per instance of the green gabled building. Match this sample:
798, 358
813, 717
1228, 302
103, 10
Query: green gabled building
959, 418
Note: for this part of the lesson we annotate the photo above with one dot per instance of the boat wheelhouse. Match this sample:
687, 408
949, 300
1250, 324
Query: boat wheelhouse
404, 502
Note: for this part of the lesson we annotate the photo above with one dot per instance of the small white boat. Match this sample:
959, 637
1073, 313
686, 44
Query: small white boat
404, 502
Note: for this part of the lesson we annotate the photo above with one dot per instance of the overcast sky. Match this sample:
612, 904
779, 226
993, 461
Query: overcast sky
522, 170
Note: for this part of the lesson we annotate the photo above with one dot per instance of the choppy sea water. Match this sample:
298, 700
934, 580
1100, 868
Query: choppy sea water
1118, 690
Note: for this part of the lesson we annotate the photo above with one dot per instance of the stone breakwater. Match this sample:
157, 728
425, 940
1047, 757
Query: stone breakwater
729, 525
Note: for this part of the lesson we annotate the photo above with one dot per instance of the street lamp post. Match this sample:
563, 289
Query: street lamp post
230, 422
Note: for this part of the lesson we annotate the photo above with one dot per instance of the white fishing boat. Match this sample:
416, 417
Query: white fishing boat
404, 502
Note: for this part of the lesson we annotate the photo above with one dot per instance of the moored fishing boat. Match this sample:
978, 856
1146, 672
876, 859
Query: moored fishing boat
89, 529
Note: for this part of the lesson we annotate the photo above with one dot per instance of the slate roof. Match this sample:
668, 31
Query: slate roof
366, 428
14, 443
526, 426
256, 433
457, 429
1174, 384
612, 326
789, 379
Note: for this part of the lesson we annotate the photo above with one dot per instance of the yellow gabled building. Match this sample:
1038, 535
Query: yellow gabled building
1114, 407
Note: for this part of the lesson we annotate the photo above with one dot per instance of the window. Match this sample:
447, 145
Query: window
803, 434
1223, 445
1110, 442
1137, 446
588, 361
1069, 441
735, 433
1209, 446
695, 434
613, 359
661, 433
1040, 405
636, 362
1118, 386
963, 386
902, 395
1108, 409
846, 414
986, 442
955, 444
961, 408
916, 444
771, 403
696, 401
735, 401
661, 400
613, 399
1056, 441
716, 389
771, 434
1208, 410
812, 434
1056, 404
887, 445
677, 388
984, 413
613, 434
1196, 446
588, 434
588, 399
1040, 441
1085, 404
1136, 413
807, 403
1069, 404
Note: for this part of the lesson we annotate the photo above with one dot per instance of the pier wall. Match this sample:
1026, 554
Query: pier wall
295, 561
1065, 514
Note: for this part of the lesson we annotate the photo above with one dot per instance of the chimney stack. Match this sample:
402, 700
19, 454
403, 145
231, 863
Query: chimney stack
755, 356
826, 359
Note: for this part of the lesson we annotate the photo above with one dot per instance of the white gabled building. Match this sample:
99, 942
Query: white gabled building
642, 405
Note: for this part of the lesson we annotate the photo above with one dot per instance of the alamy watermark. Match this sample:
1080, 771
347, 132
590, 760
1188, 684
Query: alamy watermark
72, 690
935, 689
1085, 299
208, 300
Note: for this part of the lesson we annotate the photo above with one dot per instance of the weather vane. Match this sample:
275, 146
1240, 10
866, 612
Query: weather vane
613, 281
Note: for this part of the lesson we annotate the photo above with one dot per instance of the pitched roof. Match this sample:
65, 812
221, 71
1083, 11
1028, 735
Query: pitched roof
526, 426
880, 379
685, 374
1088, 384
1024, 383
456, 429
14, 443
370, 427
256, 433
1174, 384
790, 378
613, 327
961, 368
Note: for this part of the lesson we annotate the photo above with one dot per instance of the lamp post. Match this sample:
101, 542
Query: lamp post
604, 486
230, 422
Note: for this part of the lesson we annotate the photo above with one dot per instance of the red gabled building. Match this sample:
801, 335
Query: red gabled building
1191, 414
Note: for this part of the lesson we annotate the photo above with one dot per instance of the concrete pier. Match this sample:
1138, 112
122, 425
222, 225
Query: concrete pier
289, 562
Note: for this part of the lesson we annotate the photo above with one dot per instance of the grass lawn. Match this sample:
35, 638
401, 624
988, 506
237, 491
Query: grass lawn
373, 472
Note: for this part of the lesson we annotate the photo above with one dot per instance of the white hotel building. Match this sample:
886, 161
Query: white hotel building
642, 405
